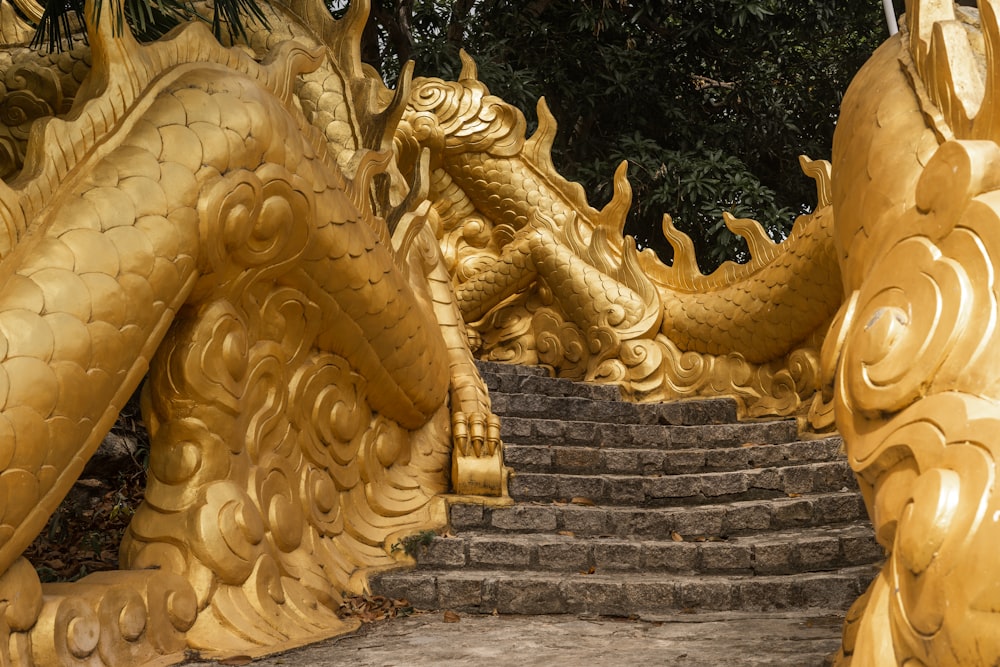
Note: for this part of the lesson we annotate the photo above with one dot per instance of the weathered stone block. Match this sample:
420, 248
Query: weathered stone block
443, 552
420, 591
624, 490
706, 594
524, 517
625, 461
766, 456
769, 594
460, 594
670, 556
514, 428
724, 484
832, 476
768, 479
789, 514
774, 557
797, 479
652, 437
529, 596
699, 521
727, 459
838, 507
577, 459
641, 523
673, 486
549, 429
747, 516
530, 486
724, 557
569, 487
819, 552
684, 461
564, 555
535, 458
466, 516
857, 549
647, 596
584, 520
585, 433
586, 595
617, 556
499, 552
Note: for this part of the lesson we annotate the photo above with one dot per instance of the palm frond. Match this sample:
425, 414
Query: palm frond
232, 13
55, 28
147, 19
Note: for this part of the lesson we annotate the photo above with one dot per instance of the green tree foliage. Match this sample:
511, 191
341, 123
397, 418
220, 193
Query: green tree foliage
711, 102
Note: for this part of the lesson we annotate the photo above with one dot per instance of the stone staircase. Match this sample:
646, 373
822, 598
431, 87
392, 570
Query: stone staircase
644, 510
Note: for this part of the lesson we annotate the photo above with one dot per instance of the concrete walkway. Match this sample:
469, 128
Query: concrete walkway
695, 640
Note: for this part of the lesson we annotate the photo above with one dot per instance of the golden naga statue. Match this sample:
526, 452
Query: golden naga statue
543, 278
305, 265
231, 221
912, 358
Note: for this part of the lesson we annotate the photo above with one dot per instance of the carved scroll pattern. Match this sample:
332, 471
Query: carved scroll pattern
921, 436
272, 482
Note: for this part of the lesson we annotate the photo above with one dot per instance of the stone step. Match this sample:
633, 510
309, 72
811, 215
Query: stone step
591, 434
584, 460
500, 368
715, 520
684, 489
708, 411
531, 592
509, 383
782, 552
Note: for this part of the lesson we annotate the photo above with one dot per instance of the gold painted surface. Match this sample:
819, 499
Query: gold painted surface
306, 264
240, 232
912, 357
543, 278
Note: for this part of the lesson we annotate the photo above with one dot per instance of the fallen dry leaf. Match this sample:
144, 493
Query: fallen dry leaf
451, 617
676, 537
371, 608
580, 500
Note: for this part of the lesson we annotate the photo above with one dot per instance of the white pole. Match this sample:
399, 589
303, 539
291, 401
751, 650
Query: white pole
890, 17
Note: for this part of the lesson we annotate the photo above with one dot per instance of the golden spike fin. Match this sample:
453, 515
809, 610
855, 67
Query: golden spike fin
631, 275
820, 171
921, 15
418, 193
599, 254
572, 233
953, 82
382, 129
410, 224
469, 70
359, 190
762, 248
685, 263
614, 215
538, 148
292, 59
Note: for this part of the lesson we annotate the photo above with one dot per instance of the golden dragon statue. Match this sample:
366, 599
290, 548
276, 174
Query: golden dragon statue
544, 278
305, 264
